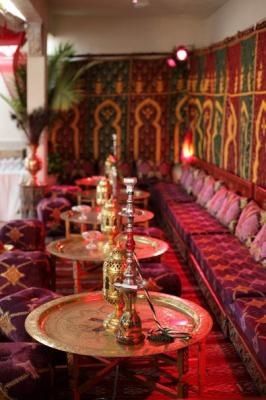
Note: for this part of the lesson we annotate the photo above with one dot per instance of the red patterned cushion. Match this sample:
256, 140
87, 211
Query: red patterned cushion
258, 246
20, 270
15, 308
190, 219
249, 314
248, 223
230, 210
215, 203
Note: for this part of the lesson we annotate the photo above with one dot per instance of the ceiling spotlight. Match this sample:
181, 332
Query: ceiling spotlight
181, 53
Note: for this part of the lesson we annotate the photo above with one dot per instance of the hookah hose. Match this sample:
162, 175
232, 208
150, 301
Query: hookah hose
161, 334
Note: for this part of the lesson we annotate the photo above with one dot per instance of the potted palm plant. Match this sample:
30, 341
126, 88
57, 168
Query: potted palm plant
63, 92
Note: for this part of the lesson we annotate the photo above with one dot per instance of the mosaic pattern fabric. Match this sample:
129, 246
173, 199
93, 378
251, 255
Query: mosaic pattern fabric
24, 234
250, 316
20, 270
229, 267
190, 219
25, 371
15, 308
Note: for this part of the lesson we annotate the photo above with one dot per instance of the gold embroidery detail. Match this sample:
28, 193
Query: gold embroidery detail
15, 234
13, 275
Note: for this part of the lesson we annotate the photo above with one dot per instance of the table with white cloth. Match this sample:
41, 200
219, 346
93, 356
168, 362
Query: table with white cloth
12, 174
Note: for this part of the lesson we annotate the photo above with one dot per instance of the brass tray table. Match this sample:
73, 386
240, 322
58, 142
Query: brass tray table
74, 248
74, 324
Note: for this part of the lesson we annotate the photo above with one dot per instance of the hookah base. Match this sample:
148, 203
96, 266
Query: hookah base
111, 323
129, 340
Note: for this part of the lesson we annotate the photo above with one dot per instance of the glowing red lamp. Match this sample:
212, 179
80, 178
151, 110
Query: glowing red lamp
171, 62
187, 148
181, 53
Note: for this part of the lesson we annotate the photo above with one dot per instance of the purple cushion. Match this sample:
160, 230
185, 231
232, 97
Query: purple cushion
258, 246
20, 270
25, 371
49, 210
230, 210
191, 219
15, 308
248, 223
189, 180
228, 266
215, 203
249, 314
24, 234
160, 277
68, 191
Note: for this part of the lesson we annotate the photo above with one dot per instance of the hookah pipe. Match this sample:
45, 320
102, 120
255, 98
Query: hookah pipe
161, 334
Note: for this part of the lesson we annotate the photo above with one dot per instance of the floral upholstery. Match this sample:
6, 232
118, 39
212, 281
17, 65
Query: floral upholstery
14, 309
216, 202
24, 234
20, 270
49, 210
248, 223
229, 267
250, 316
230, 210
190, 219
258, 246
160, 278
25, 371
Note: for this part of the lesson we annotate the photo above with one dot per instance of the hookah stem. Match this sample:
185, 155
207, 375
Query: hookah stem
148, 297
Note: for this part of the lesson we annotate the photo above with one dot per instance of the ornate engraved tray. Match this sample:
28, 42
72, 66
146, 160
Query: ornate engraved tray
75, 324
74, 248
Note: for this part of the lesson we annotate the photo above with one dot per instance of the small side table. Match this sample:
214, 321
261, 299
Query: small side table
74, 324
30, 197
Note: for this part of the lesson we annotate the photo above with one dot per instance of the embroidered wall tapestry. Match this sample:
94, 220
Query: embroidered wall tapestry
221, 98
227, 104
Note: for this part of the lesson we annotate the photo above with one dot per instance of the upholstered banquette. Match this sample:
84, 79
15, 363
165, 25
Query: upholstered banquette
218, 222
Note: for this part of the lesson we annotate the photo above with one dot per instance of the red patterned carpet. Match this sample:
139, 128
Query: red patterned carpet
226, 377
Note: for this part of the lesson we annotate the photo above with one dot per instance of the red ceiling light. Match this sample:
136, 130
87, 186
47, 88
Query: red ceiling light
181, 53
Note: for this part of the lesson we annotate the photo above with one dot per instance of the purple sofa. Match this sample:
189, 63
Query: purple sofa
222, 236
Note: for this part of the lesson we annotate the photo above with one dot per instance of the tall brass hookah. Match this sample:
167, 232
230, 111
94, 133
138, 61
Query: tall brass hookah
129, 330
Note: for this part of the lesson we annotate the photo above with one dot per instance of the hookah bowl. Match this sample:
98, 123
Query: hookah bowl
113, 269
